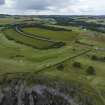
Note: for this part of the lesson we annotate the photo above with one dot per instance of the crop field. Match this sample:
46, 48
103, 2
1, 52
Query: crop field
36, 55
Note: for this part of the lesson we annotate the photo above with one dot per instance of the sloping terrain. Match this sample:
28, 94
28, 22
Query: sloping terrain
51, 67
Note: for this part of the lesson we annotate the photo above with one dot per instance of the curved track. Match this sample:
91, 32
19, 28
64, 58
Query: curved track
51, 43
34, 36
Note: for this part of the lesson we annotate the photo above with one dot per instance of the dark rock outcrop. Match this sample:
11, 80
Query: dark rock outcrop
20, 94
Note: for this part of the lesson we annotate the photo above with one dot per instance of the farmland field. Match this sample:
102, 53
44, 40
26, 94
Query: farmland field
68, 58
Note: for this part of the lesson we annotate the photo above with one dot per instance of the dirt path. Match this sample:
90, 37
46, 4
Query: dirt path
69, 58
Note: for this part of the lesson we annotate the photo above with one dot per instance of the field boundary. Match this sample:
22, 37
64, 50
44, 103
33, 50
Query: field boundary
17, 29
44, 69
53, 44
69, 58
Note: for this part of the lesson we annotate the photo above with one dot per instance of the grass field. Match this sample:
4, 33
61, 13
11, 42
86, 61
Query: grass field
55, 35
12, 34
16, 54
24, 55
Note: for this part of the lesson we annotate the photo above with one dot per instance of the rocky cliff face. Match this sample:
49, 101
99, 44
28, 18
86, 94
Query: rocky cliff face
18, 93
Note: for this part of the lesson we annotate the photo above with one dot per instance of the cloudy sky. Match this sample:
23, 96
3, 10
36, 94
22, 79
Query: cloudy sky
59, 7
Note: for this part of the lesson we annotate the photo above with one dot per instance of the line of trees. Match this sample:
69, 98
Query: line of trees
42, 26
83, 24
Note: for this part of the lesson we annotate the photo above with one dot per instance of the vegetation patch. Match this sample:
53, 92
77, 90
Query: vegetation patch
65, 62
54, 35
11, 34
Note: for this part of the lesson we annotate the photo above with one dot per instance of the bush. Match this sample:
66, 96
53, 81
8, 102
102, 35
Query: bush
77, 41
60, 67
91, 70
74, 49
58, 44
94, 57
102, 59
77, 64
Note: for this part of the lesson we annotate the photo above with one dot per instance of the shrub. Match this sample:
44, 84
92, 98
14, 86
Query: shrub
74, 49
77, 41
77, 64
94, 57
59, 44
102, 59
60, 67
91, 70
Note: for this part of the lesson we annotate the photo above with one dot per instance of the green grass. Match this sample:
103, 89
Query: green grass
34, 58
55, 35
21, 58
12, 34
12, 20
4, 21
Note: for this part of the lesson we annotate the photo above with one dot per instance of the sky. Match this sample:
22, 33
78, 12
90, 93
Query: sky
52, 7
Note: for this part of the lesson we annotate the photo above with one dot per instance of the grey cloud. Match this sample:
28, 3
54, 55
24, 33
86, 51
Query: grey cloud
1, 2
31, 4
52, 7
40, 4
